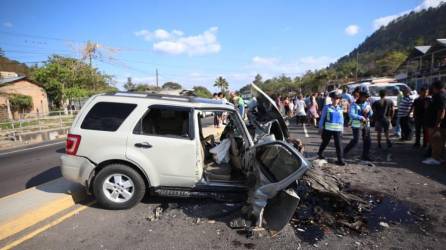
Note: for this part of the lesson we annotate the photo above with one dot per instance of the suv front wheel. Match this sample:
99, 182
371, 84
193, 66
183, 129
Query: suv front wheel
118, 186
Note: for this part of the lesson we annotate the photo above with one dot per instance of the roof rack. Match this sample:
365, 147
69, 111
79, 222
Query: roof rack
192, 99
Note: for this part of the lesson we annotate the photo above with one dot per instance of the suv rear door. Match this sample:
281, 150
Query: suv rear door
162, 142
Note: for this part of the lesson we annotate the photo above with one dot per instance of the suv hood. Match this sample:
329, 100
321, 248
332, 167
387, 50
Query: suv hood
266, 110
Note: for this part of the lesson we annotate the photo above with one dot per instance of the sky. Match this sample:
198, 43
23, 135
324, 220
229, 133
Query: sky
194, 42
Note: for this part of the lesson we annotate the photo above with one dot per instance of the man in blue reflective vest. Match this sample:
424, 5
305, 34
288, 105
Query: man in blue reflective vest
331, 124
360, 114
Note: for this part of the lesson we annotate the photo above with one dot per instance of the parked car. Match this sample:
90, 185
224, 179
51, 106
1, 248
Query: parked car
124, 144
392, 90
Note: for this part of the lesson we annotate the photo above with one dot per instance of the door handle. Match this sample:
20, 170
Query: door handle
143, 145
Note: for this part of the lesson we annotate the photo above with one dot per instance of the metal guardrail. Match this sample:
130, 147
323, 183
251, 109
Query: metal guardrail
37, 122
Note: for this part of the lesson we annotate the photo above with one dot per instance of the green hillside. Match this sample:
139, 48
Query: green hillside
379, 55
393, 42
7, 64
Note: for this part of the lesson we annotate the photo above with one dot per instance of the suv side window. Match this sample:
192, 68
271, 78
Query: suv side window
107, 116
392, 91
166, 121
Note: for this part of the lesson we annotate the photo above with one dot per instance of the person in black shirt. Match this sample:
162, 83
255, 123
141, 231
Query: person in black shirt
436, 122
419, 109
382, 115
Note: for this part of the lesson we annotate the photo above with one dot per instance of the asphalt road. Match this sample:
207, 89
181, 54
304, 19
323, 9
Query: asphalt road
30, 166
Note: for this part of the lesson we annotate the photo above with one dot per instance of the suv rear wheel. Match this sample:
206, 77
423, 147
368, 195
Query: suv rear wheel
118, 186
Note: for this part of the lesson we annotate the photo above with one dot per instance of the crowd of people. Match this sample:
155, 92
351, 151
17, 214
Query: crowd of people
220, 118
333, 113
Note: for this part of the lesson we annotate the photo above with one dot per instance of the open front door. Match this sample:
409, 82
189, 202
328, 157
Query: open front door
274, 199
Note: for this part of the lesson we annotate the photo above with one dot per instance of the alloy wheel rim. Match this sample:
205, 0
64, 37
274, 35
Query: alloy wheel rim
118, 188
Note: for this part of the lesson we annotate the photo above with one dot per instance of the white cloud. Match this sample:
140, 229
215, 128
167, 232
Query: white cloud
175, 42
7, 24
352, 30
264, 60
426, 4
161, 34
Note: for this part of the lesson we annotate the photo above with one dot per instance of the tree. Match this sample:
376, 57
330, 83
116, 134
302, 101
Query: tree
221, 83
146, 88
390, 62
202, 92
171, 85
75, 93
60, 73
129, 85
258, 80
20, 102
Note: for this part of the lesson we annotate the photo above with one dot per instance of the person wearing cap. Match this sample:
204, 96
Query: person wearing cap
360, 114
331, 124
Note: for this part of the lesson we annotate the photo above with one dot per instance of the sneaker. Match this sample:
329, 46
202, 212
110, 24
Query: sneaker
320, 157
431, 161
340, 163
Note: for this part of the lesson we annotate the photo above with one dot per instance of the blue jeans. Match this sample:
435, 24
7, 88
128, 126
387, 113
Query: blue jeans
398, 127
367, 142
241, 111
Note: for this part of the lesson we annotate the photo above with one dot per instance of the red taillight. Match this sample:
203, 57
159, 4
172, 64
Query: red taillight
72, 144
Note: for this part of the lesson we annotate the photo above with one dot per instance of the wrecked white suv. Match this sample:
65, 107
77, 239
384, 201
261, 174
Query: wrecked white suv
124, 144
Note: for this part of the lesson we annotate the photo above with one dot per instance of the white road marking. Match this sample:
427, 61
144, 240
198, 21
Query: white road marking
26, 149
305, 131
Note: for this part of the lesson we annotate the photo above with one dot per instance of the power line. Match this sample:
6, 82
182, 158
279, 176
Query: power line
38, 36
156, 77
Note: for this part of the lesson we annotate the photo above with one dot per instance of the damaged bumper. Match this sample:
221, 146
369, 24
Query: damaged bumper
76, 168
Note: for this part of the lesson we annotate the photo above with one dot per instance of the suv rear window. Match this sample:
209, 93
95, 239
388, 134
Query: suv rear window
165, 121
107, 116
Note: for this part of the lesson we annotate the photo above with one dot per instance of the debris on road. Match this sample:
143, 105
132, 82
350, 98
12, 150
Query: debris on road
384, 224
330, 205
327, 206
155, 214
197, 221
319, 163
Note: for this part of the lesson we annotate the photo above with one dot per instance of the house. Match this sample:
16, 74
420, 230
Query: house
424, 65
23, 86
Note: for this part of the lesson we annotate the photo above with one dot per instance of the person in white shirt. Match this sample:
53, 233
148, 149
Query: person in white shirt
300, 110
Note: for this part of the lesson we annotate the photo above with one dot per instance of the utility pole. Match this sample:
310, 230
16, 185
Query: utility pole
156, 71
357, 65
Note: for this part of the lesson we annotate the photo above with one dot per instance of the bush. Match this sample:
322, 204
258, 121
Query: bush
20, 102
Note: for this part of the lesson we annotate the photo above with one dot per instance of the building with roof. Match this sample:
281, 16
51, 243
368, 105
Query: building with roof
23, 86
424, 65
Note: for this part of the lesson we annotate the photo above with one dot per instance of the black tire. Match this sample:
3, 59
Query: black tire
136, 178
